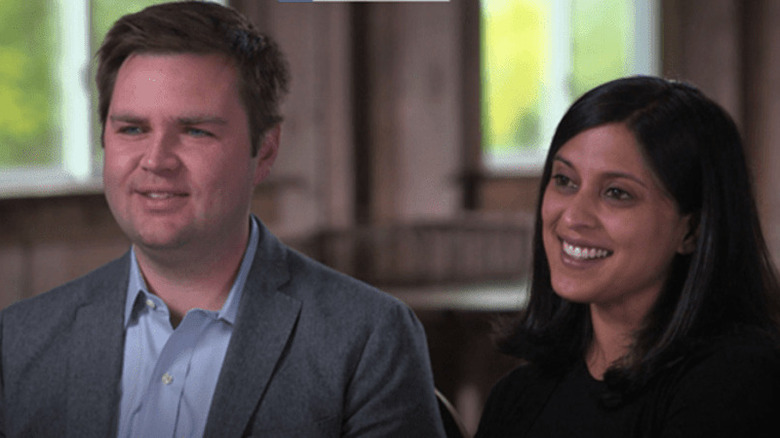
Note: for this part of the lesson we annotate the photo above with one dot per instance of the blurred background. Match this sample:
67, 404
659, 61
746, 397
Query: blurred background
412, 144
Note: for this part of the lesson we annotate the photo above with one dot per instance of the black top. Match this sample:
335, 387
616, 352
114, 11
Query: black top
728, 390
578, 398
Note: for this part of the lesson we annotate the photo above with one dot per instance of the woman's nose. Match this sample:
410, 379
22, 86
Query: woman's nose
580, 211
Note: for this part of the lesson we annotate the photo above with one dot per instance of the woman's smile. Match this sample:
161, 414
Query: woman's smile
583, 252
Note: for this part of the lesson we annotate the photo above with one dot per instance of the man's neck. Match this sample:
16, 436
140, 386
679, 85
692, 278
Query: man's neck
192, 280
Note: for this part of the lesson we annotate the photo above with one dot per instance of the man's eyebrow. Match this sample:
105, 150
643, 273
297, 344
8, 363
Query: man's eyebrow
198, 120
126, 118
184, 120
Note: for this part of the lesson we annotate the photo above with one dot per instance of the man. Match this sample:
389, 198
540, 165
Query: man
208, 326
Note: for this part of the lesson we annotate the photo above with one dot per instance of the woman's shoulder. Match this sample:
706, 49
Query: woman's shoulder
734, 362
721, 388
736, 355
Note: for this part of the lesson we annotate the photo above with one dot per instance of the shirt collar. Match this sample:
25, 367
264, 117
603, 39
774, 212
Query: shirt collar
229, 310
137, 286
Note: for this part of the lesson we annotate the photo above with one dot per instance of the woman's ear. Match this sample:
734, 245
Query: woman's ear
688, 244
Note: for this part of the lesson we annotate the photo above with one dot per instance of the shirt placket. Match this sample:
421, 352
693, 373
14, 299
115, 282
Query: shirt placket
169, 378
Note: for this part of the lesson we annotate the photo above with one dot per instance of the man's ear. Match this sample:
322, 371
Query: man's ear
266, 155
688, 244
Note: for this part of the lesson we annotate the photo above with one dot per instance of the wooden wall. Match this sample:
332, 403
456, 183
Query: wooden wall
382, 124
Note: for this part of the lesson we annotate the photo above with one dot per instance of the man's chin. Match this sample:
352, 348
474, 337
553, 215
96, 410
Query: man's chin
159, 243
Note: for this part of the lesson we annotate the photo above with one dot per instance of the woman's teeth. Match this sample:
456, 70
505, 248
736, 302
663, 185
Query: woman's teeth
581, 253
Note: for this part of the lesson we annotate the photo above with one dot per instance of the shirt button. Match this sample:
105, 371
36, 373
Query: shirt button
167, 379
150, 303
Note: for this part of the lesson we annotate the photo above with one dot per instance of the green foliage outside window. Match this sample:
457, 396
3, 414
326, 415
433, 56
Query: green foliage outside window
515, 48
28, 97
601, 42
517, 44
29, 83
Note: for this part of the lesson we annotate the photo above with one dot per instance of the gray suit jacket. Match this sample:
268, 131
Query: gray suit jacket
313, 353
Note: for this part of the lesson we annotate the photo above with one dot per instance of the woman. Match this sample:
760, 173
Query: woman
653, 308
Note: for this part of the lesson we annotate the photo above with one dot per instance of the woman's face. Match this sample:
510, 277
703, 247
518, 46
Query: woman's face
610, 231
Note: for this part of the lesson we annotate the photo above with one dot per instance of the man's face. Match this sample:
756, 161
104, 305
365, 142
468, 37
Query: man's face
178, 168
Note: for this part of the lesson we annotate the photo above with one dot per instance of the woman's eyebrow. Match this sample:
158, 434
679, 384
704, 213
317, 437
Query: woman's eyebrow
609, 174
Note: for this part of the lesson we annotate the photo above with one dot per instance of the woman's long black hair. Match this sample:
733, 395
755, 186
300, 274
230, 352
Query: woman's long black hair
728, 283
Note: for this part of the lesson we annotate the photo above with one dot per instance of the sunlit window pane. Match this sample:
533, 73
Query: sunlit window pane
49, 131
601, 43
539, 55
28, 99
515, 48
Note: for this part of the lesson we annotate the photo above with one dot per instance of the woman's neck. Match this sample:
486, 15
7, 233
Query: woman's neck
612, 339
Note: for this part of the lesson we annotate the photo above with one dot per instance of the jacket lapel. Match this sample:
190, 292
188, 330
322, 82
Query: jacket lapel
265, 322
96, 354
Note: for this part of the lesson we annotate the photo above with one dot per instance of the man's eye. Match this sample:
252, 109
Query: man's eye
195, 132
130, 130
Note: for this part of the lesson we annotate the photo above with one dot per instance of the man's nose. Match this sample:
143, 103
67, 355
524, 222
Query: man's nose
161, 153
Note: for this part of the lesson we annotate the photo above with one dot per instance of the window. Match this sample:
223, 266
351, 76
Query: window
49, 138
539, 55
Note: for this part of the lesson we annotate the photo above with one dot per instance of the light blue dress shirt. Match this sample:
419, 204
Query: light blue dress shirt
169, 376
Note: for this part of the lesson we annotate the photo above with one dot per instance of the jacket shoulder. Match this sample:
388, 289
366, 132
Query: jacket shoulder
53, 304
314, 281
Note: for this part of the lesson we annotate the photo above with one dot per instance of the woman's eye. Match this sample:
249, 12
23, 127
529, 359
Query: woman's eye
562, 181
619, 194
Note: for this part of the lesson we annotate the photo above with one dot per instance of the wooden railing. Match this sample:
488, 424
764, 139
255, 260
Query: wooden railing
471, 250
